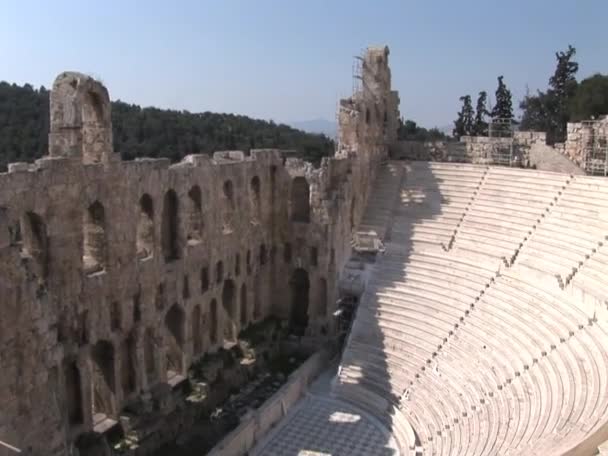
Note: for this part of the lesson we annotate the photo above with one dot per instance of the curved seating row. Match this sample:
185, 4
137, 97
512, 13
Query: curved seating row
479, 356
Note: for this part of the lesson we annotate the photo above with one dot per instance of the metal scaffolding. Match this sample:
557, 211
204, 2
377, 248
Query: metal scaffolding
502, 150
595, 147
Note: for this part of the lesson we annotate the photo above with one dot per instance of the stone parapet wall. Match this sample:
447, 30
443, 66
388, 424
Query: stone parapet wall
582, 135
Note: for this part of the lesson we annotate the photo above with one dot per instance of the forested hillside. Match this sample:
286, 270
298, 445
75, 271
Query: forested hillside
148, 132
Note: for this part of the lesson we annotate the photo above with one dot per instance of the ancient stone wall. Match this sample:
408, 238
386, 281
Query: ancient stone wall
115, 276
584, 135
470, 149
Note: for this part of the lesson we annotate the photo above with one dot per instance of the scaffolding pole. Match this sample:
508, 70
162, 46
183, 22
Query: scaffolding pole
502, 150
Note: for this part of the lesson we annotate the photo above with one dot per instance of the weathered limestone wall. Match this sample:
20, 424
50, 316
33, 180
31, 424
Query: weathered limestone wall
470, 149
580, 135
115, 276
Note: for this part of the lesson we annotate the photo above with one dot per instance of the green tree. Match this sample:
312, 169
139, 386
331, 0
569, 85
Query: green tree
463, 125
409, 130
550, 111
480, 126
591, 98
503, 109
148, 132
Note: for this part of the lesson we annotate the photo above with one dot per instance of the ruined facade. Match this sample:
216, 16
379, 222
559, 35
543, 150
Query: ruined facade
116, 276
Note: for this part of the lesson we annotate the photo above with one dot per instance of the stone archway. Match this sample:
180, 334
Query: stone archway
300, 287
229, 306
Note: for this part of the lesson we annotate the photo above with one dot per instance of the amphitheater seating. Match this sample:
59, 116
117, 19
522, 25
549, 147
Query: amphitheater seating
572, 233
508, 206
476, 353
379, 210
433, 201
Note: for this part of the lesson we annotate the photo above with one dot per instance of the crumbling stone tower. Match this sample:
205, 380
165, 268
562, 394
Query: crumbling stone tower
115, 276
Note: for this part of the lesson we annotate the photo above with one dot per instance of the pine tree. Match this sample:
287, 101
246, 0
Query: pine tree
463, 125
550, 111
480, 126
563, 88
503, 109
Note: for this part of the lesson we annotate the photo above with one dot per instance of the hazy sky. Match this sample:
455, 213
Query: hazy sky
291, 60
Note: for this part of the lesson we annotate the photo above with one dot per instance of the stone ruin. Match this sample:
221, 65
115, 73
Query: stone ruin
118, 276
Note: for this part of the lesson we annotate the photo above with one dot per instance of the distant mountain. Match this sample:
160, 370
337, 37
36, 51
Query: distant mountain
327, 127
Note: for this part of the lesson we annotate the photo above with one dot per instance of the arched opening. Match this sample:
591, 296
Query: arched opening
80, 123
174, 322
237, 265
195, 215
149, 356
248, 261
145, 228
300, 200
322, 298
73, 393
204, 279
186, 287
197, 333
128, 370
94, 239
257, 300
213, 322
353, 203
299, 285
35, 241
170, 226
219, 272
243, 312
93, 123
229, 207
314, 256
263, 254
229, 306
102, 378
367, 115
256, 200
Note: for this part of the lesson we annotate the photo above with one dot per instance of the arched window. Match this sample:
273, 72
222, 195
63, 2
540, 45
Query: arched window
102, 378
243, 312
228, 207
197, 333
237, 265
213, 322
219, 272
287, 252
204, 279
170, 227
94, 239
367, 115
186, 287
299, 301
128, 370
174, 322
256, 200
149, 356
35, 241
145, 228
229, 306
80, 123
195, 215
322, 299
73, 392
300, 203
257, 300
248, 261
263, 254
